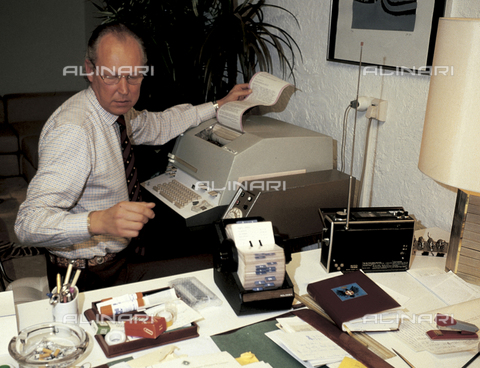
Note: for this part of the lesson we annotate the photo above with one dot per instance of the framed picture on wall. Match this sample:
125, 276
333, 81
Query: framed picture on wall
395, 33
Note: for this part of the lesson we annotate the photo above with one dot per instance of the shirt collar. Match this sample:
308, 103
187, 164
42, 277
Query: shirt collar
107, 117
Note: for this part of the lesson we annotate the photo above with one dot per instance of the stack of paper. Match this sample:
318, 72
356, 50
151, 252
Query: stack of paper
261, 263
306, 344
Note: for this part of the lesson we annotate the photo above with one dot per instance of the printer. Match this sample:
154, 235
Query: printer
209, 162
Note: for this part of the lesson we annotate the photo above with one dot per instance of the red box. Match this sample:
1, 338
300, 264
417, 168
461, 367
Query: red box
145, 326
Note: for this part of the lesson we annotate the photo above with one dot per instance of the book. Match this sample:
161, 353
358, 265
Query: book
356, 303
266, 91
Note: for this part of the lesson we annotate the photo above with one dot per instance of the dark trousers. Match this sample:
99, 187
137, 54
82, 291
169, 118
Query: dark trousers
113, 272
129, 265
145, 258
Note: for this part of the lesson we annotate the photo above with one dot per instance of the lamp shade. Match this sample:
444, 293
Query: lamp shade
450, 151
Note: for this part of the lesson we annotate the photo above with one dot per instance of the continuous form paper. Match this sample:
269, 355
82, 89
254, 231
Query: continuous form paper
266, 90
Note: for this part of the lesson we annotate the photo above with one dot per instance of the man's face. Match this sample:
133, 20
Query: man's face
117, 57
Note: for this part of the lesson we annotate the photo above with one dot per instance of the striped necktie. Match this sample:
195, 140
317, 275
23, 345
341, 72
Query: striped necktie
131, 173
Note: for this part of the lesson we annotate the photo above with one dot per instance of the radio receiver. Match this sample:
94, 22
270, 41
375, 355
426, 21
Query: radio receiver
373, 239
377, 239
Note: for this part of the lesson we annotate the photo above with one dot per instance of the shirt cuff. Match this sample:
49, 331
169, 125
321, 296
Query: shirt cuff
76, 227
206, 111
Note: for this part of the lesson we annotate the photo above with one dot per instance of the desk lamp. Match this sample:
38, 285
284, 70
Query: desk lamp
450, 150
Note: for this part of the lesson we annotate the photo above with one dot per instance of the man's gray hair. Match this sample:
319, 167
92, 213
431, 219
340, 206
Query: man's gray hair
120, 31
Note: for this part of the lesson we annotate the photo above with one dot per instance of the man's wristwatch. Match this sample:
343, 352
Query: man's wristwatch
88, 224
215, 105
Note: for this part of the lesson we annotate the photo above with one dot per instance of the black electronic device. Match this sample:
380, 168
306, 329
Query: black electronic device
243, 301
291, 203
375, 239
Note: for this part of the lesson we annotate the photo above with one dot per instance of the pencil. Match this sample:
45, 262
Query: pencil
59, 283
69, 272
354, 336
75, 278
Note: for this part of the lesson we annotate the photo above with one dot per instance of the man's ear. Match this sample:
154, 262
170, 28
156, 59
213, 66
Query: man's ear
90, 70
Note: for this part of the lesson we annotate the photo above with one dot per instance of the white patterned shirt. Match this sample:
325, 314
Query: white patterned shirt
81, 170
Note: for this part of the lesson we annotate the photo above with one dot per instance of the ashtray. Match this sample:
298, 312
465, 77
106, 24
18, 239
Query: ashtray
53, 345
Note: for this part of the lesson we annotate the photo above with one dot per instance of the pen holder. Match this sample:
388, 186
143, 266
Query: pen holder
65, 309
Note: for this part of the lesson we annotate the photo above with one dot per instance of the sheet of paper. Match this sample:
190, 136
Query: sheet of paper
8, 320
214, 360
399, 298
273, 335
266, 90
202, 345
467, 311
159, 355
294, 324
311, 346
414, 334
259, 365
217, 360
447, 286
185, 314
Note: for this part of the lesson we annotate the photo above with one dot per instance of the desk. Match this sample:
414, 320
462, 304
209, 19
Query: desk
303, 269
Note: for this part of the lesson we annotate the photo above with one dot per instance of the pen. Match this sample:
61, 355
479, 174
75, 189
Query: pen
474, 357
471, 360
405, 360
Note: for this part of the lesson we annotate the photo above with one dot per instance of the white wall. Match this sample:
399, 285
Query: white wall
328, 87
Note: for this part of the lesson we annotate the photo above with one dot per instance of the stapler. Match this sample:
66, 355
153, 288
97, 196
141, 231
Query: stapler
452, 329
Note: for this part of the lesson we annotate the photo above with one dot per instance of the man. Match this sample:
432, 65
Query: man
77, 204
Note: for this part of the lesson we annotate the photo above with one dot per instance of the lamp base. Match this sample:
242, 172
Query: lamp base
463, 257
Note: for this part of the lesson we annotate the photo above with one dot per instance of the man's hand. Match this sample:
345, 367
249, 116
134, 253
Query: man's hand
238, 93
125, 219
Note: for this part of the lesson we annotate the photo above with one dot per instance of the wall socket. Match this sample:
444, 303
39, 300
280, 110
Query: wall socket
377, 110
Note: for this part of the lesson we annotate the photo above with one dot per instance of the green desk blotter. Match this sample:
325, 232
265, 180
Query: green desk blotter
252, 338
